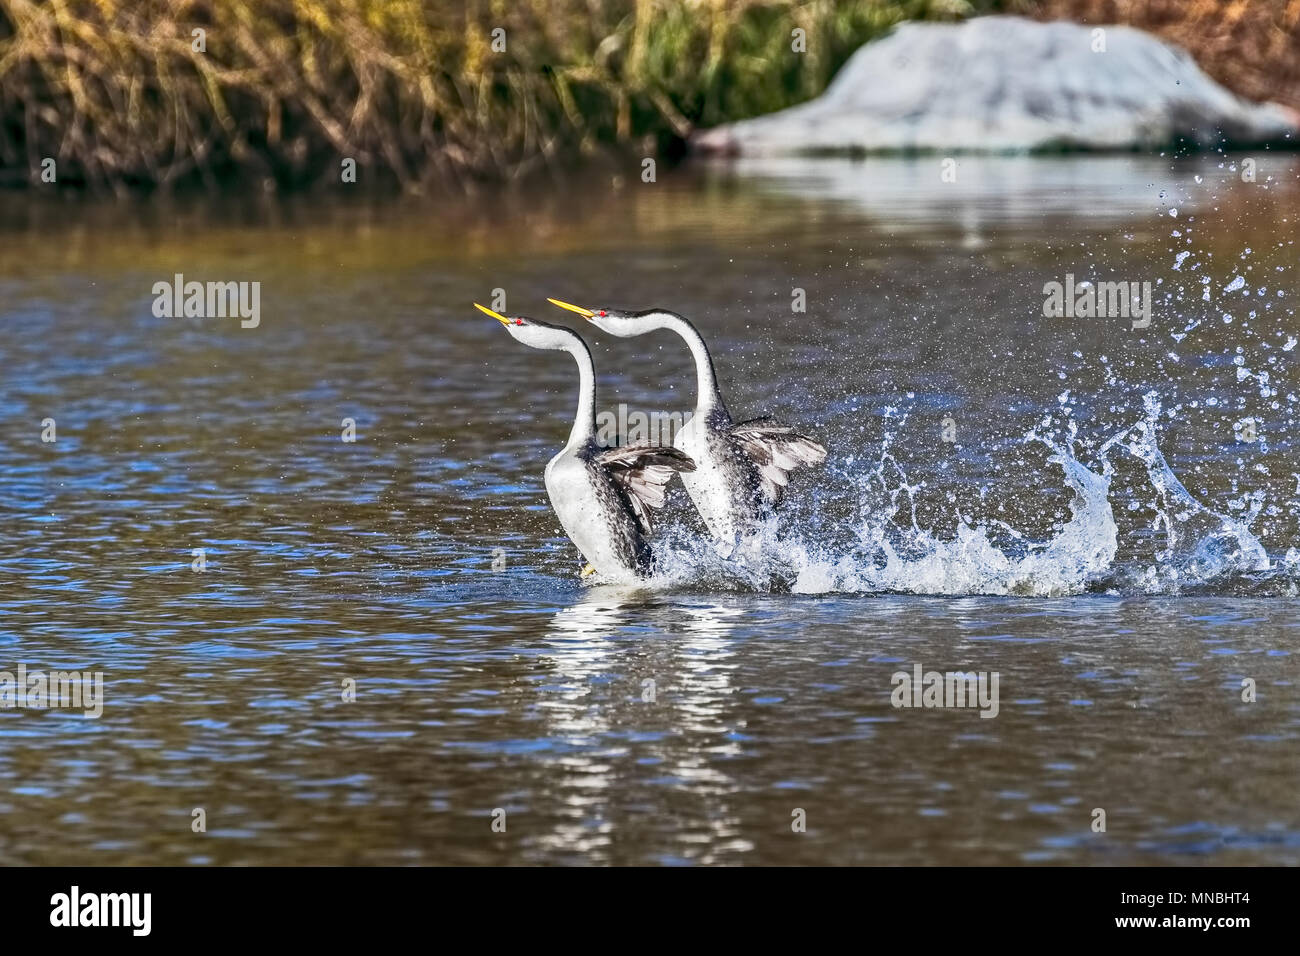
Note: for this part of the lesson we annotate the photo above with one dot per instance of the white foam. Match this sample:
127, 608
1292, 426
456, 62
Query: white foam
1199, 545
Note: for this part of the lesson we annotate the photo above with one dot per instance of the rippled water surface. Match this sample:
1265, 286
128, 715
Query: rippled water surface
1104, 516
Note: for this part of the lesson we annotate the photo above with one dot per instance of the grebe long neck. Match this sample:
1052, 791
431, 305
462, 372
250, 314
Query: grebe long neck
584, 423
708, 398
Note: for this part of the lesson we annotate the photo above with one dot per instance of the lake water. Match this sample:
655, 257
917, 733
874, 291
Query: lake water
388, 648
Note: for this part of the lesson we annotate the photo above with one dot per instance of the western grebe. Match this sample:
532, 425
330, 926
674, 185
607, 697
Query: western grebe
741, 467
602, 496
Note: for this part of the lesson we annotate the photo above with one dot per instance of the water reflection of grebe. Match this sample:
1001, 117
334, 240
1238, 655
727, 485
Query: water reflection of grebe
589, 630
602, 651
610, 636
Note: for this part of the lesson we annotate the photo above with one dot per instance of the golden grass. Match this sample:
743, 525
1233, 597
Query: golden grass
116, 92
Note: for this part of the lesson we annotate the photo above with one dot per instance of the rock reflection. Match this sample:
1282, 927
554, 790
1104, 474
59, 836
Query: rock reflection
991, 192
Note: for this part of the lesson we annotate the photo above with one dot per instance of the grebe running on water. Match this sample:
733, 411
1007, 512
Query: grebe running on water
602, 496
741, 467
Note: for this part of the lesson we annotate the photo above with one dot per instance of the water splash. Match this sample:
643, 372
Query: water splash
890, 552
1132, 525
1202, 544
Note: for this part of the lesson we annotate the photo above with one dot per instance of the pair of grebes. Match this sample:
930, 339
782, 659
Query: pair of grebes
734, 472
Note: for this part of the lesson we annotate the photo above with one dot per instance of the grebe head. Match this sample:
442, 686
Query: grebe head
533, 332
620, 322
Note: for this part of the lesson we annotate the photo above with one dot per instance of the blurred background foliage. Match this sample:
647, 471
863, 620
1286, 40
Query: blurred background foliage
1250, 46
118, 93
413, 91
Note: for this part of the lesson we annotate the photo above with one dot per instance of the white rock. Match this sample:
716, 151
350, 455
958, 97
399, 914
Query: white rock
1008, 84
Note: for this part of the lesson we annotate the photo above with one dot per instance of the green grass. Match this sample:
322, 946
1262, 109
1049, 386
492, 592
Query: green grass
115, 93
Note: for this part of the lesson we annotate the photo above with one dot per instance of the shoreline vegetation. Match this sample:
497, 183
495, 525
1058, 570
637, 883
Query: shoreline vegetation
124, 96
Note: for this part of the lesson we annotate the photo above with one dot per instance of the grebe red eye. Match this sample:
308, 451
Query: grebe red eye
519, 321
602, 312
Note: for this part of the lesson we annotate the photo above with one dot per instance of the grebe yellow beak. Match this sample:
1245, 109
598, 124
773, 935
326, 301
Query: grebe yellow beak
496, 315
585, 313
